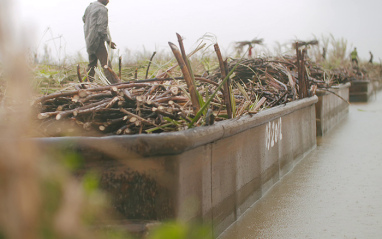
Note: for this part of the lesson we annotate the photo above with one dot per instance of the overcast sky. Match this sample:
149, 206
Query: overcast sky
152, 23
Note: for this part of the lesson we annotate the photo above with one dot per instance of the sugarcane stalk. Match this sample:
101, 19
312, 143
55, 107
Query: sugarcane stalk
242, 108
183, 51
84, 110
303, 73
167, 92
172, 98
258, 105
153, 89
138, 117
298, 56
187, 77
104, 88
96, 96
122, 130
112, 102
69, 112
302, 76
127, 95
148, 67
114, 77
226, 91
79, 73
303, 84
116, 121
188, 64
166, 114
306, 77
120, 67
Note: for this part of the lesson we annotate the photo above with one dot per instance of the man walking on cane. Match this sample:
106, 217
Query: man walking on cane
96, 34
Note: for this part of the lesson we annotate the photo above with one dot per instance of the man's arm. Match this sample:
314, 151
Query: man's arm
85, 14
112, 45
102, 24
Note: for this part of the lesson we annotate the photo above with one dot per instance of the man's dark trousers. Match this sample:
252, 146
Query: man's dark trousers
102, 56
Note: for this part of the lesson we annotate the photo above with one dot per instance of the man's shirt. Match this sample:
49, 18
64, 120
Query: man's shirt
96, 26
354, 54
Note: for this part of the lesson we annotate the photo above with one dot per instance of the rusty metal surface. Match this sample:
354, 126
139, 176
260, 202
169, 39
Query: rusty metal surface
360, 90
330, 108
213, 174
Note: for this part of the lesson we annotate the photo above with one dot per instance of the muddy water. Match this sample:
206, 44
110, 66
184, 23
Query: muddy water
336, 192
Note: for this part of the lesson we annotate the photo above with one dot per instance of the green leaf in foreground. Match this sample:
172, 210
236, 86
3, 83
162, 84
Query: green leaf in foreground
177, 230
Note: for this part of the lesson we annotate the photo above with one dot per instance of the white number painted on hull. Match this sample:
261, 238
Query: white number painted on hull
273, 133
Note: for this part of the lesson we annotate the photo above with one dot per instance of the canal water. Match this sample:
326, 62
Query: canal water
335, 192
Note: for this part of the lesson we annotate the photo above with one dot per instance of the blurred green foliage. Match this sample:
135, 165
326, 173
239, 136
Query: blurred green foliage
72, 161
90, 182
178, 230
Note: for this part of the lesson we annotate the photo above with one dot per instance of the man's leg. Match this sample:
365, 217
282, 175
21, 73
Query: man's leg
102, 55
92, 63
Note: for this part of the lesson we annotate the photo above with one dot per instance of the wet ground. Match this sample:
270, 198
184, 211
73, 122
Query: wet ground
335, 192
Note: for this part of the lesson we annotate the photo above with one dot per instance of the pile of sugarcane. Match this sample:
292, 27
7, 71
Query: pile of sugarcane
131, 108
238, 87
283, 69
